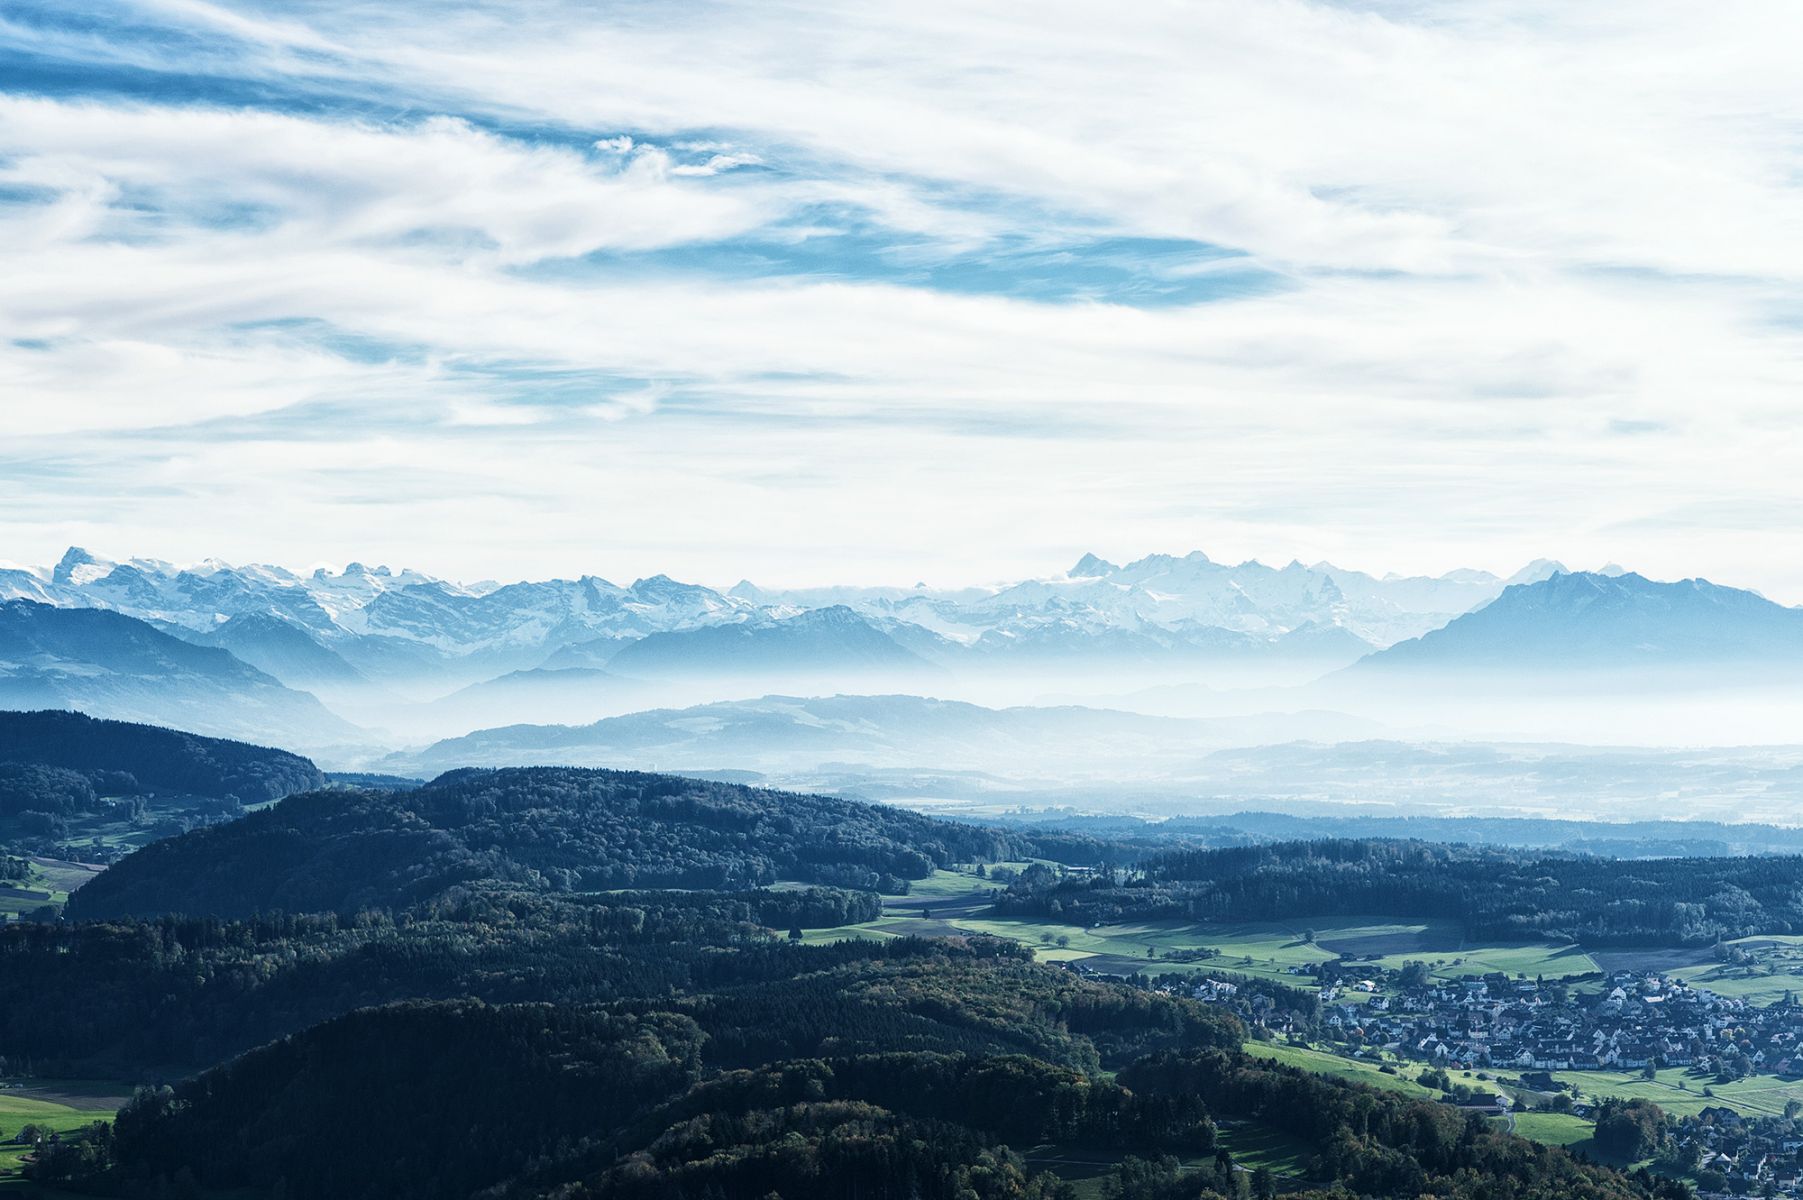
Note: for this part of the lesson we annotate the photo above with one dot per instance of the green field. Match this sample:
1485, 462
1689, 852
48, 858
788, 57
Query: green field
49, 876
1253, 950
1778, 970
57, 1105
1756, 1095
869, 929
956, 902
1554, 1129
1357, 1070
40, 882
945, 885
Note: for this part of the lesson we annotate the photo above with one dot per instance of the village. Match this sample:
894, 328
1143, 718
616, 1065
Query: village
1516, 1033
1634, 1021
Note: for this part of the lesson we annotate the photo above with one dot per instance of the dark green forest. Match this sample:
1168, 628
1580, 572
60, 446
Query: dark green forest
1497, 893
548, 829
61, 772
460, 1099
567, 983
155, 759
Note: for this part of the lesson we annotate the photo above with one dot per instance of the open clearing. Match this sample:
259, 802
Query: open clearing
1252, 1146
1554, 1129
51, 882
60, 1105
1084, 1168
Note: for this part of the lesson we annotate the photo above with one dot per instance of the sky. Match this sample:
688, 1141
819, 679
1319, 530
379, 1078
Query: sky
950, 292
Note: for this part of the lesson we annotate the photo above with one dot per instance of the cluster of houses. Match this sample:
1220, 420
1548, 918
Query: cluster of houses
1734, 1156
1635, 1022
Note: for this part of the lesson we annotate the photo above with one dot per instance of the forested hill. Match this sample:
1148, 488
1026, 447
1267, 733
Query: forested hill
64, 777
420, 1101
154, 758
547, 828
1496, 892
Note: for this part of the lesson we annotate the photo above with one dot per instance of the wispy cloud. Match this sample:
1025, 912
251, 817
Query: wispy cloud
896, 291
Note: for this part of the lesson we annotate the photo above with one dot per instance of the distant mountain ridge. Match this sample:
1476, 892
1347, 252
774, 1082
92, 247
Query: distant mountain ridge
108, 664
800, 734
281, 647
1585, 621
819, 641
397, 628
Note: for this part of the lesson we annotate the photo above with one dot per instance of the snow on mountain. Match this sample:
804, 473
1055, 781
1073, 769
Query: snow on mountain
401, 625
1165, 592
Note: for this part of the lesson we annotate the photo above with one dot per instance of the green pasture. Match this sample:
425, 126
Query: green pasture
1756, 1095
950, 885
1269, 949
1755, 988
877, 930
1778, 967
55, 1105
50, 876
1361, 1070
1778, 970
1553, 1129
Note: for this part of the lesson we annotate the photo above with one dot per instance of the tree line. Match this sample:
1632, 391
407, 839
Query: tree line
1496, 893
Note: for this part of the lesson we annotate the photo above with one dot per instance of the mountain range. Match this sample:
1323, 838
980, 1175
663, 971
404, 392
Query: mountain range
382, 658
405, 630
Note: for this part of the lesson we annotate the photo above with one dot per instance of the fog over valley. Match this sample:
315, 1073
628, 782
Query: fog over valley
1170, 684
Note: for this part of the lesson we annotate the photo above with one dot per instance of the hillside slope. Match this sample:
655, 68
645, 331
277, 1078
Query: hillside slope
156, 758
110, 665
547, 828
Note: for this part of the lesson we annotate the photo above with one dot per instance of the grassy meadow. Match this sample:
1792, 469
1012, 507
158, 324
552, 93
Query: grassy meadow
49, 1104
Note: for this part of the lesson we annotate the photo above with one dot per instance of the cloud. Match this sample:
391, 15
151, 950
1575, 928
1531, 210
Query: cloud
1306, 133
765, 264
460, 191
